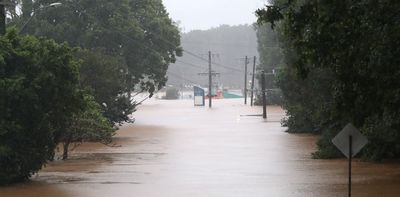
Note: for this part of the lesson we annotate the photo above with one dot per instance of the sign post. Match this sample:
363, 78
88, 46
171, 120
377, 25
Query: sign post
350, 142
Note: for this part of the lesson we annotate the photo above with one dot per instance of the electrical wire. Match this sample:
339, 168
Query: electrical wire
191, 65
213, 63
187, 80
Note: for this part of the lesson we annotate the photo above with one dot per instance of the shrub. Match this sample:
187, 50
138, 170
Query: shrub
39, 92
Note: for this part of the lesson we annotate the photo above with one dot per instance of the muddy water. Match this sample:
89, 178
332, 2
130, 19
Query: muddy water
175, 149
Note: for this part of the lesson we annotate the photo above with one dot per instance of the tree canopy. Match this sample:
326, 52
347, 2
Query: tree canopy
39, 88
138, 30
341, 66
135, 36
87, 125
57, 94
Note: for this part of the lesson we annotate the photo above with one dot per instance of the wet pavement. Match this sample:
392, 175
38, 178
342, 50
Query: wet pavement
177, 150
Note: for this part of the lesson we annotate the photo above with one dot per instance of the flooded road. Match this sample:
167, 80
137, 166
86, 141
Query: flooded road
177, 150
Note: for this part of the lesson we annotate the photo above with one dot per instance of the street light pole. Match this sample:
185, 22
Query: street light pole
33, 14
252, 80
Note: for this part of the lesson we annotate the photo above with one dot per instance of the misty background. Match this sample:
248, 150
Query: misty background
214, 26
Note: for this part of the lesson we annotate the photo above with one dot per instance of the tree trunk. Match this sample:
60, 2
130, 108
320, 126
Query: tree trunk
65, 150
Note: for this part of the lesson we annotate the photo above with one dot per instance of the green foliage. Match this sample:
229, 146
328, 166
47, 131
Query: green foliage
87, 125
270, 14
39, 93
105, 76
271, 56
139, 31
271, 60
384, 135
308, 101
127, 46
326, 149
342, 66
274, 97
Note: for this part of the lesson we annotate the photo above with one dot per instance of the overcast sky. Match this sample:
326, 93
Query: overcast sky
204, 14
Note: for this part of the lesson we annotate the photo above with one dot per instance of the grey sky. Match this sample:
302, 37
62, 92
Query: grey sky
204, 14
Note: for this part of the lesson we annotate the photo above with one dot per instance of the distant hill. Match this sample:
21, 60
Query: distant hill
229, 45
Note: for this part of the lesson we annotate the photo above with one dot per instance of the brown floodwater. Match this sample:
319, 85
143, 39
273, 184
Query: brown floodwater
175, 149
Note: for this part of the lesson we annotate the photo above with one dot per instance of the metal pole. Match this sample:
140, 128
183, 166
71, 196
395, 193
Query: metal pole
350, 157
2, 17
245, 80
263, 95
209, 80
252, 81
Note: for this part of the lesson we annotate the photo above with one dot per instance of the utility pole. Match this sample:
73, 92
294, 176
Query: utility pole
209, 80
2, 17
263, 95
252, 80
245, 80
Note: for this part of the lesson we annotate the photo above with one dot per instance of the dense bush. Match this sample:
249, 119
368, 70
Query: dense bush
39, 93
105, 77
341, 65
273, 96
87, 125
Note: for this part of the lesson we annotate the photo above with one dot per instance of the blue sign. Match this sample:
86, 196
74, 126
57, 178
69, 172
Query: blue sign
199, 96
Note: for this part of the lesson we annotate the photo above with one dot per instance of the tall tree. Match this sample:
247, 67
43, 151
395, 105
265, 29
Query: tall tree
106, 78
138, 32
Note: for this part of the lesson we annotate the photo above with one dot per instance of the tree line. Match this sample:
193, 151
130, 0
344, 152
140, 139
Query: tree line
69, 74
340, 64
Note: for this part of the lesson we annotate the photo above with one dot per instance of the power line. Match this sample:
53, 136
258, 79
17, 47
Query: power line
228, 44
214, 63
190, 64
165, 41
218, 44
124, 35
188, 80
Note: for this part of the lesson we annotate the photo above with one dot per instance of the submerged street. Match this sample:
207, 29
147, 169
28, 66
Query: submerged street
175, 149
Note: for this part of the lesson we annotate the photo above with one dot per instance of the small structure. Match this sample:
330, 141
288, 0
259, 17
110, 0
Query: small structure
199, 96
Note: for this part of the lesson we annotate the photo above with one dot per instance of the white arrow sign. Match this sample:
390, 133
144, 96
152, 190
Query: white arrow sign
341, 141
